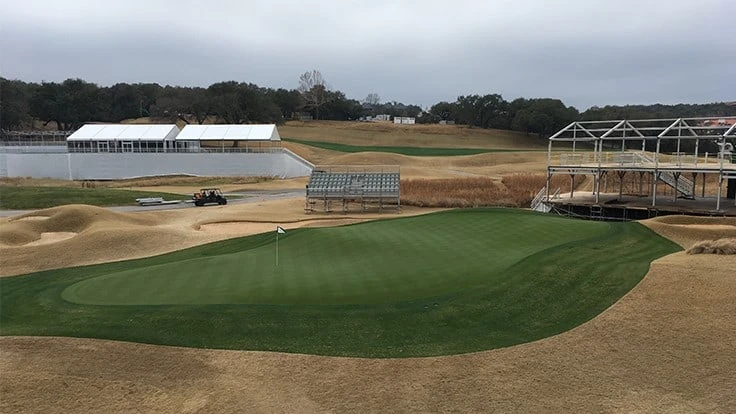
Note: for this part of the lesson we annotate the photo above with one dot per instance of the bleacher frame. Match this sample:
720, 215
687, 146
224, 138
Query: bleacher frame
371, 187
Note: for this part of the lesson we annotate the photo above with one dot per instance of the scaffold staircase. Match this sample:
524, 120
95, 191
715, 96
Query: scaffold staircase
538, 202
683, 185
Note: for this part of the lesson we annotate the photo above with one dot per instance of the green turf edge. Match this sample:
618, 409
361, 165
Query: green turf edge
459, 322
413, 151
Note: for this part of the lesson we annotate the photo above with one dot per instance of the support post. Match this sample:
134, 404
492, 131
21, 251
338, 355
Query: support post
621, 175
677, 182
695, 179
703, 189
572, 184
655, 178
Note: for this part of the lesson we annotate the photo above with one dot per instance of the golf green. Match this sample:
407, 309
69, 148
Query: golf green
450, 282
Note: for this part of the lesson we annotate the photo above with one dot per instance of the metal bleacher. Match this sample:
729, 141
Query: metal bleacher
368, 186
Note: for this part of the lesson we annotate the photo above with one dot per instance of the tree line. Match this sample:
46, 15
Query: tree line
73, 102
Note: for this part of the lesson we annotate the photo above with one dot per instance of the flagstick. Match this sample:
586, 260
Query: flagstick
277, 248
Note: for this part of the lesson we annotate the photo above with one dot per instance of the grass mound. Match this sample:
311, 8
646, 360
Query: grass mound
444, 283
720, 246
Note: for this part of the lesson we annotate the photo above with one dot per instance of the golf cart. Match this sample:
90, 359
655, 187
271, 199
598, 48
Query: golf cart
209, 196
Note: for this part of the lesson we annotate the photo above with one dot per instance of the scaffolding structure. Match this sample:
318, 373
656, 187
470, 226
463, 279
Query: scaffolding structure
669, 153
370, 187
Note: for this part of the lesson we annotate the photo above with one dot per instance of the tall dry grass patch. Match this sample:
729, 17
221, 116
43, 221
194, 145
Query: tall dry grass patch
521, 188
451, 192
720, 246
515, 190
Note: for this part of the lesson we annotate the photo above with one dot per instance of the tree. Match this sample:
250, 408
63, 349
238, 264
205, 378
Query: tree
445, 111
226, 102
314, 90
339, 108
124, 102
372, 99
288, 101
69, 104
14, 103
487, 111
543, 116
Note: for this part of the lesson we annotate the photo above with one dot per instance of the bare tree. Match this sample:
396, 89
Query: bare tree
372, 99
314, 89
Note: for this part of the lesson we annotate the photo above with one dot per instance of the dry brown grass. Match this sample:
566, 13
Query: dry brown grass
689, 230
719, 246
523, 187
389, 134
515, 190
451, 192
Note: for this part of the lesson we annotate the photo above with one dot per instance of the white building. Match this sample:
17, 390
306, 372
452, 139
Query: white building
406, 120
112, 152
123, 138
228, 138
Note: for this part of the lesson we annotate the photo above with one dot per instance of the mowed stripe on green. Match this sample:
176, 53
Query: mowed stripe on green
377, 262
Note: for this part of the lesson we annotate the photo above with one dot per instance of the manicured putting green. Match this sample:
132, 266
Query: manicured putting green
444, 283
379, 262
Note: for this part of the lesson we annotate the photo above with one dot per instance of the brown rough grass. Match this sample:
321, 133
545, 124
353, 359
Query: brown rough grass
451, 192
688, 230
516, 190
389, 134
719, 246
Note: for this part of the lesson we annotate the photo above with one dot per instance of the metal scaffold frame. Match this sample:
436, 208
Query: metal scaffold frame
600, 148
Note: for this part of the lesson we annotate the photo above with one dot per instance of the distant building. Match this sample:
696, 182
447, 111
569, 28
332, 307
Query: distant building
405, 120
382, 117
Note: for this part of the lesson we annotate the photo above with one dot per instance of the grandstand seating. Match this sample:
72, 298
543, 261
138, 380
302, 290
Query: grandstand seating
363, 186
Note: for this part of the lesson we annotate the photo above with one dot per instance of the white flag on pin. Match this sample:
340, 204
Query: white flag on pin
280, 230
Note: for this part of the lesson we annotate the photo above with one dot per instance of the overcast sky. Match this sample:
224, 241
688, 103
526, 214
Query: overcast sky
585, 52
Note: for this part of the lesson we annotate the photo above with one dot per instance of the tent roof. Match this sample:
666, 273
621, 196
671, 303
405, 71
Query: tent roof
235, 132
124, 132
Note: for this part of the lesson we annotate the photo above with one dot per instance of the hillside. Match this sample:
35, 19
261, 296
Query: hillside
388, 134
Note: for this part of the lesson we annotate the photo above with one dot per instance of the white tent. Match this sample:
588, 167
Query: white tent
236, 132
125, 132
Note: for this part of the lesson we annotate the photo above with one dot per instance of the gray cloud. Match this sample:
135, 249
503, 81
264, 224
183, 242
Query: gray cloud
585, 53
